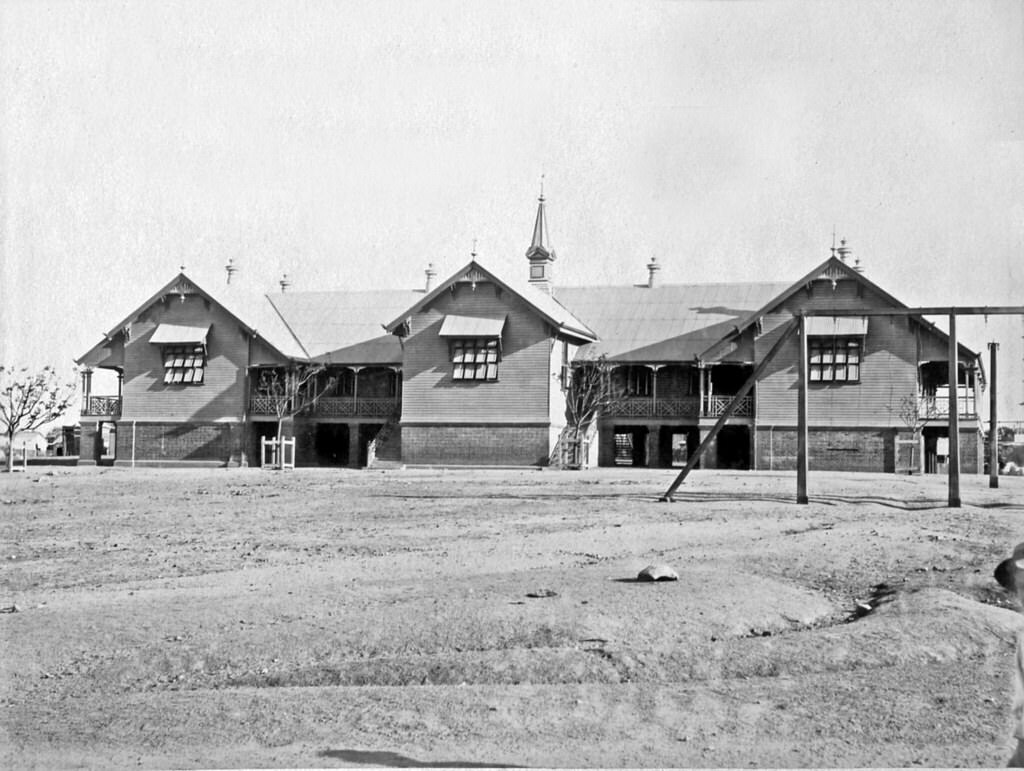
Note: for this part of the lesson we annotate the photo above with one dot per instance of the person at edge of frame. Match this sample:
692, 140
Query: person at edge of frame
1010, 575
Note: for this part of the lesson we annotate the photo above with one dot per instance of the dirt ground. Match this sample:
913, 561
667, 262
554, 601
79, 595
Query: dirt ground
242, 618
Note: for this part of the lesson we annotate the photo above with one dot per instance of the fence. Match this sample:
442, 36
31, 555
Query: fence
276, 453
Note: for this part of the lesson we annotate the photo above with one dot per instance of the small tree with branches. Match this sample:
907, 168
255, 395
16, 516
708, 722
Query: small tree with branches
908, 410
592, 391
31, 400
290, 390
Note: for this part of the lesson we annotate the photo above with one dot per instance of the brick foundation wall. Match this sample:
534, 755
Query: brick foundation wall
853, 450
476, 445
170, 442
828, 449
87, 444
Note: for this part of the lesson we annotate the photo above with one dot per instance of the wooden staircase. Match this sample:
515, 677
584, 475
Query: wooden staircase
385, 450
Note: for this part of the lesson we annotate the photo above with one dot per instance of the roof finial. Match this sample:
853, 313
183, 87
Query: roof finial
652, 268
285, 282
230, 268
833, 240
473, 253
844, 251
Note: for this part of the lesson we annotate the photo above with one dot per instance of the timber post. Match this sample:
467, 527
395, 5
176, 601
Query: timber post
993, 424
801, 416
954, 417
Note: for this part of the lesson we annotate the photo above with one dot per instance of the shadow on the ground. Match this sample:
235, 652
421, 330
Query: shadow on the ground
829, 500
394, 760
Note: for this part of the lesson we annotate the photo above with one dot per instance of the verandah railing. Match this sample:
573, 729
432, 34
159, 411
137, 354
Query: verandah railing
334, 407
685, 407
102, 405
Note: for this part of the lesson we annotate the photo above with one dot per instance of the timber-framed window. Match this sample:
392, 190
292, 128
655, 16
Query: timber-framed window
475, 359
639, 380
833, 359
184, 363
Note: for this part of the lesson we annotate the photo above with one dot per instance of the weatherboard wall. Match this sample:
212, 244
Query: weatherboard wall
221, 395
521, 392
888, 365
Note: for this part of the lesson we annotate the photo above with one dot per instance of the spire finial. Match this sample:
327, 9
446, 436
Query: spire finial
541, 188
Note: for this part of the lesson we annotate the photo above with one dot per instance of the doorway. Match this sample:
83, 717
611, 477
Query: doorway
330, 443
630, 445
733, 448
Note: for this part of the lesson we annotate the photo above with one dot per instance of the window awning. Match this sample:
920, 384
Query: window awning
472, 326
837, 326
177, 334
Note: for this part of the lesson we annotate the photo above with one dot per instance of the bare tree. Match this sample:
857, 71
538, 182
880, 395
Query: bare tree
592, 390
290, 390
31, 400
908, 410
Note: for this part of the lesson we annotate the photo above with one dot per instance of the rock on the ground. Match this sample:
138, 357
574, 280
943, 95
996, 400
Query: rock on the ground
657, 573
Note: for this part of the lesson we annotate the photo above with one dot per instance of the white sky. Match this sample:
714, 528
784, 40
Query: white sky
349, 144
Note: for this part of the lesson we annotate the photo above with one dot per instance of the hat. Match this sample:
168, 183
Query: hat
1008, 570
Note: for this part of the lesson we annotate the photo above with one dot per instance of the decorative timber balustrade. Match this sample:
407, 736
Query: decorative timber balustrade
102, 406
335, 407
686, 407
938, 406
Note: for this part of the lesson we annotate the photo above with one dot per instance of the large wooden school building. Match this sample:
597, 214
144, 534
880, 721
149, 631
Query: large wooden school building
473, 370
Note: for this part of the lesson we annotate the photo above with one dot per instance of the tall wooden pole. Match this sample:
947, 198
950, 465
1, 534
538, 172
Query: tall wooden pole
801, 417
993, 424
954, 418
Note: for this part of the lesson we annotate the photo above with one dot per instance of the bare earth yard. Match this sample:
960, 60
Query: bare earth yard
225, 618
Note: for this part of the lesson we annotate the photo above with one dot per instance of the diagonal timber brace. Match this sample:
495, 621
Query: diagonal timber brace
787, 332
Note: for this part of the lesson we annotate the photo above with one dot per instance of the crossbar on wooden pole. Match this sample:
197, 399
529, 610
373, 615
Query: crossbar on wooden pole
729, 410
940, 310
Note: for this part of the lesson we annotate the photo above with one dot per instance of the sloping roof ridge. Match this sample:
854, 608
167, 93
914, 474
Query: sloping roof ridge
287, 326
668, 286
228, 307
308, 292
535, 297
856, 275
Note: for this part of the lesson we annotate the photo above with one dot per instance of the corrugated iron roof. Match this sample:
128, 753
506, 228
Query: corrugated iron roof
664, 323
345, 327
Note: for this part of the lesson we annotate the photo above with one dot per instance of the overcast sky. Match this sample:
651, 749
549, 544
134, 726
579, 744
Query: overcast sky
349, 144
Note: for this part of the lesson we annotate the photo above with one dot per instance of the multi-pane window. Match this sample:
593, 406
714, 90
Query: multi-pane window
184, 363
833, 359
475, 359
639, 381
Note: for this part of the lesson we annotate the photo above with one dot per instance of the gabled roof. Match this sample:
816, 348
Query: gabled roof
674, 322
344, 327
540, 301
257, 318
833, 268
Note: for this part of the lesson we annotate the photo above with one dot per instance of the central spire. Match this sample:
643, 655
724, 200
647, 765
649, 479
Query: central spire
540, 253
540, 230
